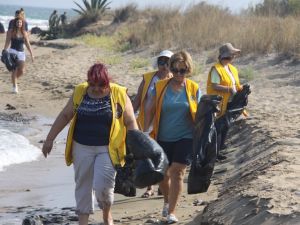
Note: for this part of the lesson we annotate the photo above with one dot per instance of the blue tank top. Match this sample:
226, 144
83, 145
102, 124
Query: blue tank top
17, 43
175, 121
94, 119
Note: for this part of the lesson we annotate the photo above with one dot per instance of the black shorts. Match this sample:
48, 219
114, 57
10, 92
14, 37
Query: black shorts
178, 151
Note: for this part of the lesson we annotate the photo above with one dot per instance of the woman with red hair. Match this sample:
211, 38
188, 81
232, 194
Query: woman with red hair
17, 37
100, 113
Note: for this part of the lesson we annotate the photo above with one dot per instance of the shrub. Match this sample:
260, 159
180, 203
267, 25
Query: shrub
123, 14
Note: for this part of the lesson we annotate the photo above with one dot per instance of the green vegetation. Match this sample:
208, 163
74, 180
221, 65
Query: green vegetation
111, 60
93, 9
247, 73
138, 63
276, 8
106, 42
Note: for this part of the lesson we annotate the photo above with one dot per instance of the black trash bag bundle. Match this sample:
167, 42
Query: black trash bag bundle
124, 184
9, 59
234, 109
204, 144
239, 101
151, 161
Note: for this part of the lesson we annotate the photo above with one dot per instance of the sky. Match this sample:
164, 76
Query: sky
234, 5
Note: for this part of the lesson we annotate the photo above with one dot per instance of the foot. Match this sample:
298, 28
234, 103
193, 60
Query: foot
223, 147
221, 157
165, 210
15, 90
171, 218
159, 192
148, 193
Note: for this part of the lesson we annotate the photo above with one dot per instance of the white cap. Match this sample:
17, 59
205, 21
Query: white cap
164, 53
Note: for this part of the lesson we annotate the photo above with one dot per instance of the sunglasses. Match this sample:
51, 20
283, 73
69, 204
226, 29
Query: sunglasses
162, 62
180, 71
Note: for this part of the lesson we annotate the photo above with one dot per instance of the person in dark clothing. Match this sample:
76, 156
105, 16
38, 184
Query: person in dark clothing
2, 29
63, 19
17, 37
18, 14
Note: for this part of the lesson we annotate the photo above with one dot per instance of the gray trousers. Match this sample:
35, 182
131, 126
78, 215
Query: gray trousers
94, 177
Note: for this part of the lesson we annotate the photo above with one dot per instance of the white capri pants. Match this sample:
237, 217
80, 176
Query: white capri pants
94, 175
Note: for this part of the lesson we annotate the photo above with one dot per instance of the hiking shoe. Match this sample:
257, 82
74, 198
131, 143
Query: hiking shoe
165, 210
15, 90
171, 218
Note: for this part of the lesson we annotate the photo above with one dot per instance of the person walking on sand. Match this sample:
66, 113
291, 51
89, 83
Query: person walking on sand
145, 90
18, 14
17, 38
173, 106
223, 80
100, 113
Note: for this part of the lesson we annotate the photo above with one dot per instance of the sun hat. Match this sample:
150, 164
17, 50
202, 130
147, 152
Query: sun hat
164, 53
227, 50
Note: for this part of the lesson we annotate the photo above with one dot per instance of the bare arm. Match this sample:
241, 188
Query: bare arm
8, 39
61, 121
222, 88
137, 100
149, 112
129, 118
28, 46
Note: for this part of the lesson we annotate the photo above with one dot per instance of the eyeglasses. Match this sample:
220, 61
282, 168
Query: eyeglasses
180, 71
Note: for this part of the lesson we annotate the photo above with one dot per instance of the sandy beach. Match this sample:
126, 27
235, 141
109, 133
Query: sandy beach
258, 183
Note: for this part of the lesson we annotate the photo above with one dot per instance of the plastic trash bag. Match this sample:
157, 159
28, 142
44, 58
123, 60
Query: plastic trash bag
151, 161
204, 144
10, 60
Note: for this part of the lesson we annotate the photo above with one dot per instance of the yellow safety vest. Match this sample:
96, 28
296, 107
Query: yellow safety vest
191, 89
147, 81
225, 81
117, 146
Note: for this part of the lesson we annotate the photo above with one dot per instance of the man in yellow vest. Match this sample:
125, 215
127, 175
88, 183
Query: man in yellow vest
145, 90
223, 80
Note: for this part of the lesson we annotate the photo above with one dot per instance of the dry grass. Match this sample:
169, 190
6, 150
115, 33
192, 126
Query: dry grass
203, 27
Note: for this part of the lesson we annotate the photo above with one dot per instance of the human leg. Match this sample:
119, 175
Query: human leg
177, 172
83, 161
104, 182
149, 192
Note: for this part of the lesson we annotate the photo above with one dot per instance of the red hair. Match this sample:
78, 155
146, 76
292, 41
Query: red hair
98, 74
15, 28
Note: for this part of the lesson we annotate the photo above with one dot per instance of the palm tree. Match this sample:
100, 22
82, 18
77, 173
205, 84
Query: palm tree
94, 9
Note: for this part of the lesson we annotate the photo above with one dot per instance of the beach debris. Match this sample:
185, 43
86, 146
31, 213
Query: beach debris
10, 107
32, 220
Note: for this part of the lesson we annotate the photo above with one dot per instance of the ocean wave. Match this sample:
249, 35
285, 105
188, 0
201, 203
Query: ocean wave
15, 149
43, 24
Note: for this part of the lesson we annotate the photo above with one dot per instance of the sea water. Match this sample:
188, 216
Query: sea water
35, 16
15, 148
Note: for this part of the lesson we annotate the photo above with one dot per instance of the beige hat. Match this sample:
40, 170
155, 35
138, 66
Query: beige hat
227, 50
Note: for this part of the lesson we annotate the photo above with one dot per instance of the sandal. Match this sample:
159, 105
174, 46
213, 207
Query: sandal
148, 193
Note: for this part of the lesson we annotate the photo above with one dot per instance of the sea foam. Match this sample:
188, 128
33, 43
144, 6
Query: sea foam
15, 149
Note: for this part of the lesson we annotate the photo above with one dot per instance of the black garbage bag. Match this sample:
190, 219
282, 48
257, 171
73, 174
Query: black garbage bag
9, 59
151, 163
204, 144
238, 103
124, 184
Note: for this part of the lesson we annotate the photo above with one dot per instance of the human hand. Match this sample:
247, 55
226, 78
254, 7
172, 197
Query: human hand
32, 58
47, 147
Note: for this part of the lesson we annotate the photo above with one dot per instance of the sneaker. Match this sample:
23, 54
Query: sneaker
15, 90
165, 210
171, 218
